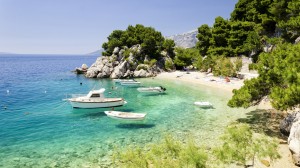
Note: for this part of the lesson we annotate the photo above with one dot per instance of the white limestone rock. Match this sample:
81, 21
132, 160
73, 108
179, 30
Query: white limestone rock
140, 73
297, 40
294, 140
116, 50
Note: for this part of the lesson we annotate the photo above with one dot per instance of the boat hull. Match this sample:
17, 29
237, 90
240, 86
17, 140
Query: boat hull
125, 115
203, 104
75, 104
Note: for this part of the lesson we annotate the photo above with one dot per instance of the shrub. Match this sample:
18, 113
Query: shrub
152, 62
168, 65
141, 66
168, 153
240, 145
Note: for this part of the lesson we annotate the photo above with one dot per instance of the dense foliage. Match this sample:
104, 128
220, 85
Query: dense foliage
185, 57
251, 22
151, 41
240, 145
279, 77
168, 153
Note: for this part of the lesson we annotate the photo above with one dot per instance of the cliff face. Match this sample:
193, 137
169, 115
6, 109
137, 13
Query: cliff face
120, 65
185, 40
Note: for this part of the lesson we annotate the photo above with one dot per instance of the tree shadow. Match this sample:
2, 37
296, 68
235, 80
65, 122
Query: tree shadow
265, 121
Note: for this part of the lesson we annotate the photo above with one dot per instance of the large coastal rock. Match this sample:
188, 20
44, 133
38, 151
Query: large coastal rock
294, 139
122, 65
286, 123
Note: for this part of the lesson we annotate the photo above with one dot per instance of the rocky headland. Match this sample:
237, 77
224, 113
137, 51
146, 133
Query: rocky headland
128, 62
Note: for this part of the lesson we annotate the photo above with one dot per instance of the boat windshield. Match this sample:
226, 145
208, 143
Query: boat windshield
95, 95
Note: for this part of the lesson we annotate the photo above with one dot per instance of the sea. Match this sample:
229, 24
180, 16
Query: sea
39, 129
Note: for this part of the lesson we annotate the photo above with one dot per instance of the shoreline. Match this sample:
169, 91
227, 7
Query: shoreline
220, 84
202, 79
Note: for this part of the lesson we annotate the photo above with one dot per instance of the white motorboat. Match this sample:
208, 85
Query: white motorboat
125, 115
123, 80
95, 99
130, 83
158, 89
204, 104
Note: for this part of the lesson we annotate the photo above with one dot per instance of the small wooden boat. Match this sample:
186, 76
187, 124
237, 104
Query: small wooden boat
203, 104
130, 83
158, 89
123, 80
125, 115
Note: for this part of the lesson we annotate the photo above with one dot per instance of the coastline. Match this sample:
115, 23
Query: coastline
220, 84
202, 79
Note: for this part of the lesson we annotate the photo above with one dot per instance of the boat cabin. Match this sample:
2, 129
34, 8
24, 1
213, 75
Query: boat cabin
96, 93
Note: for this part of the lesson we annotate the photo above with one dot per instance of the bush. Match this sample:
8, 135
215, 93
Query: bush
240, 145
141, 66
224, 67
152, 62
253, 66
168, 153
238, 64
169, 65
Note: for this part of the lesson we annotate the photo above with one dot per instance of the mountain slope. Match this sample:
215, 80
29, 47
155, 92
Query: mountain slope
185, 40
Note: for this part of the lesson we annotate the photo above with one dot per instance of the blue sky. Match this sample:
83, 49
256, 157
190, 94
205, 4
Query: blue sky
81, 26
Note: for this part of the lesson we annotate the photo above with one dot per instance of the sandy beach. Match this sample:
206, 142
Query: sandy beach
202, 79
220, 83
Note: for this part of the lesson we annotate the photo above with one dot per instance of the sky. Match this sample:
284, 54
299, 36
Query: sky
81, 26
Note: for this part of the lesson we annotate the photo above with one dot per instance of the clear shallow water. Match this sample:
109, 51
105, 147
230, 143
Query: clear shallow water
38, 129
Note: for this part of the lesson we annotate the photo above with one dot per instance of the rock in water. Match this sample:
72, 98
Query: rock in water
294, 139
84, 66
286, 124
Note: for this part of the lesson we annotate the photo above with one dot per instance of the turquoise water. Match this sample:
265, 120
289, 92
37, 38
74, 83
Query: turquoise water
38, 129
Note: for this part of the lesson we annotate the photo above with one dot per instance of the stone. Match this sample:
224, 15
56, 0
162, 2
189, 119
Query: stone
294, 139
297, 40
265, 162
84, 66
140, 73
296, 159
286, 124
116, 50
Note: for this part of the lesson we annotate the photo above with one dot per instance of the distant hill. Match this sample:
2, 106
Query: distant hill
185, 40
96, 53
5, 53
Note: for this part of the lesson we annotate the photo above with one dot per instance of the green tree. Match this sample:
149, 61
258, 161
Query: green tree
151, 40
220, 32
204, 36
252, 43
185, 57
279, 78
169, 46
240, 32
219, 39
240, 145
